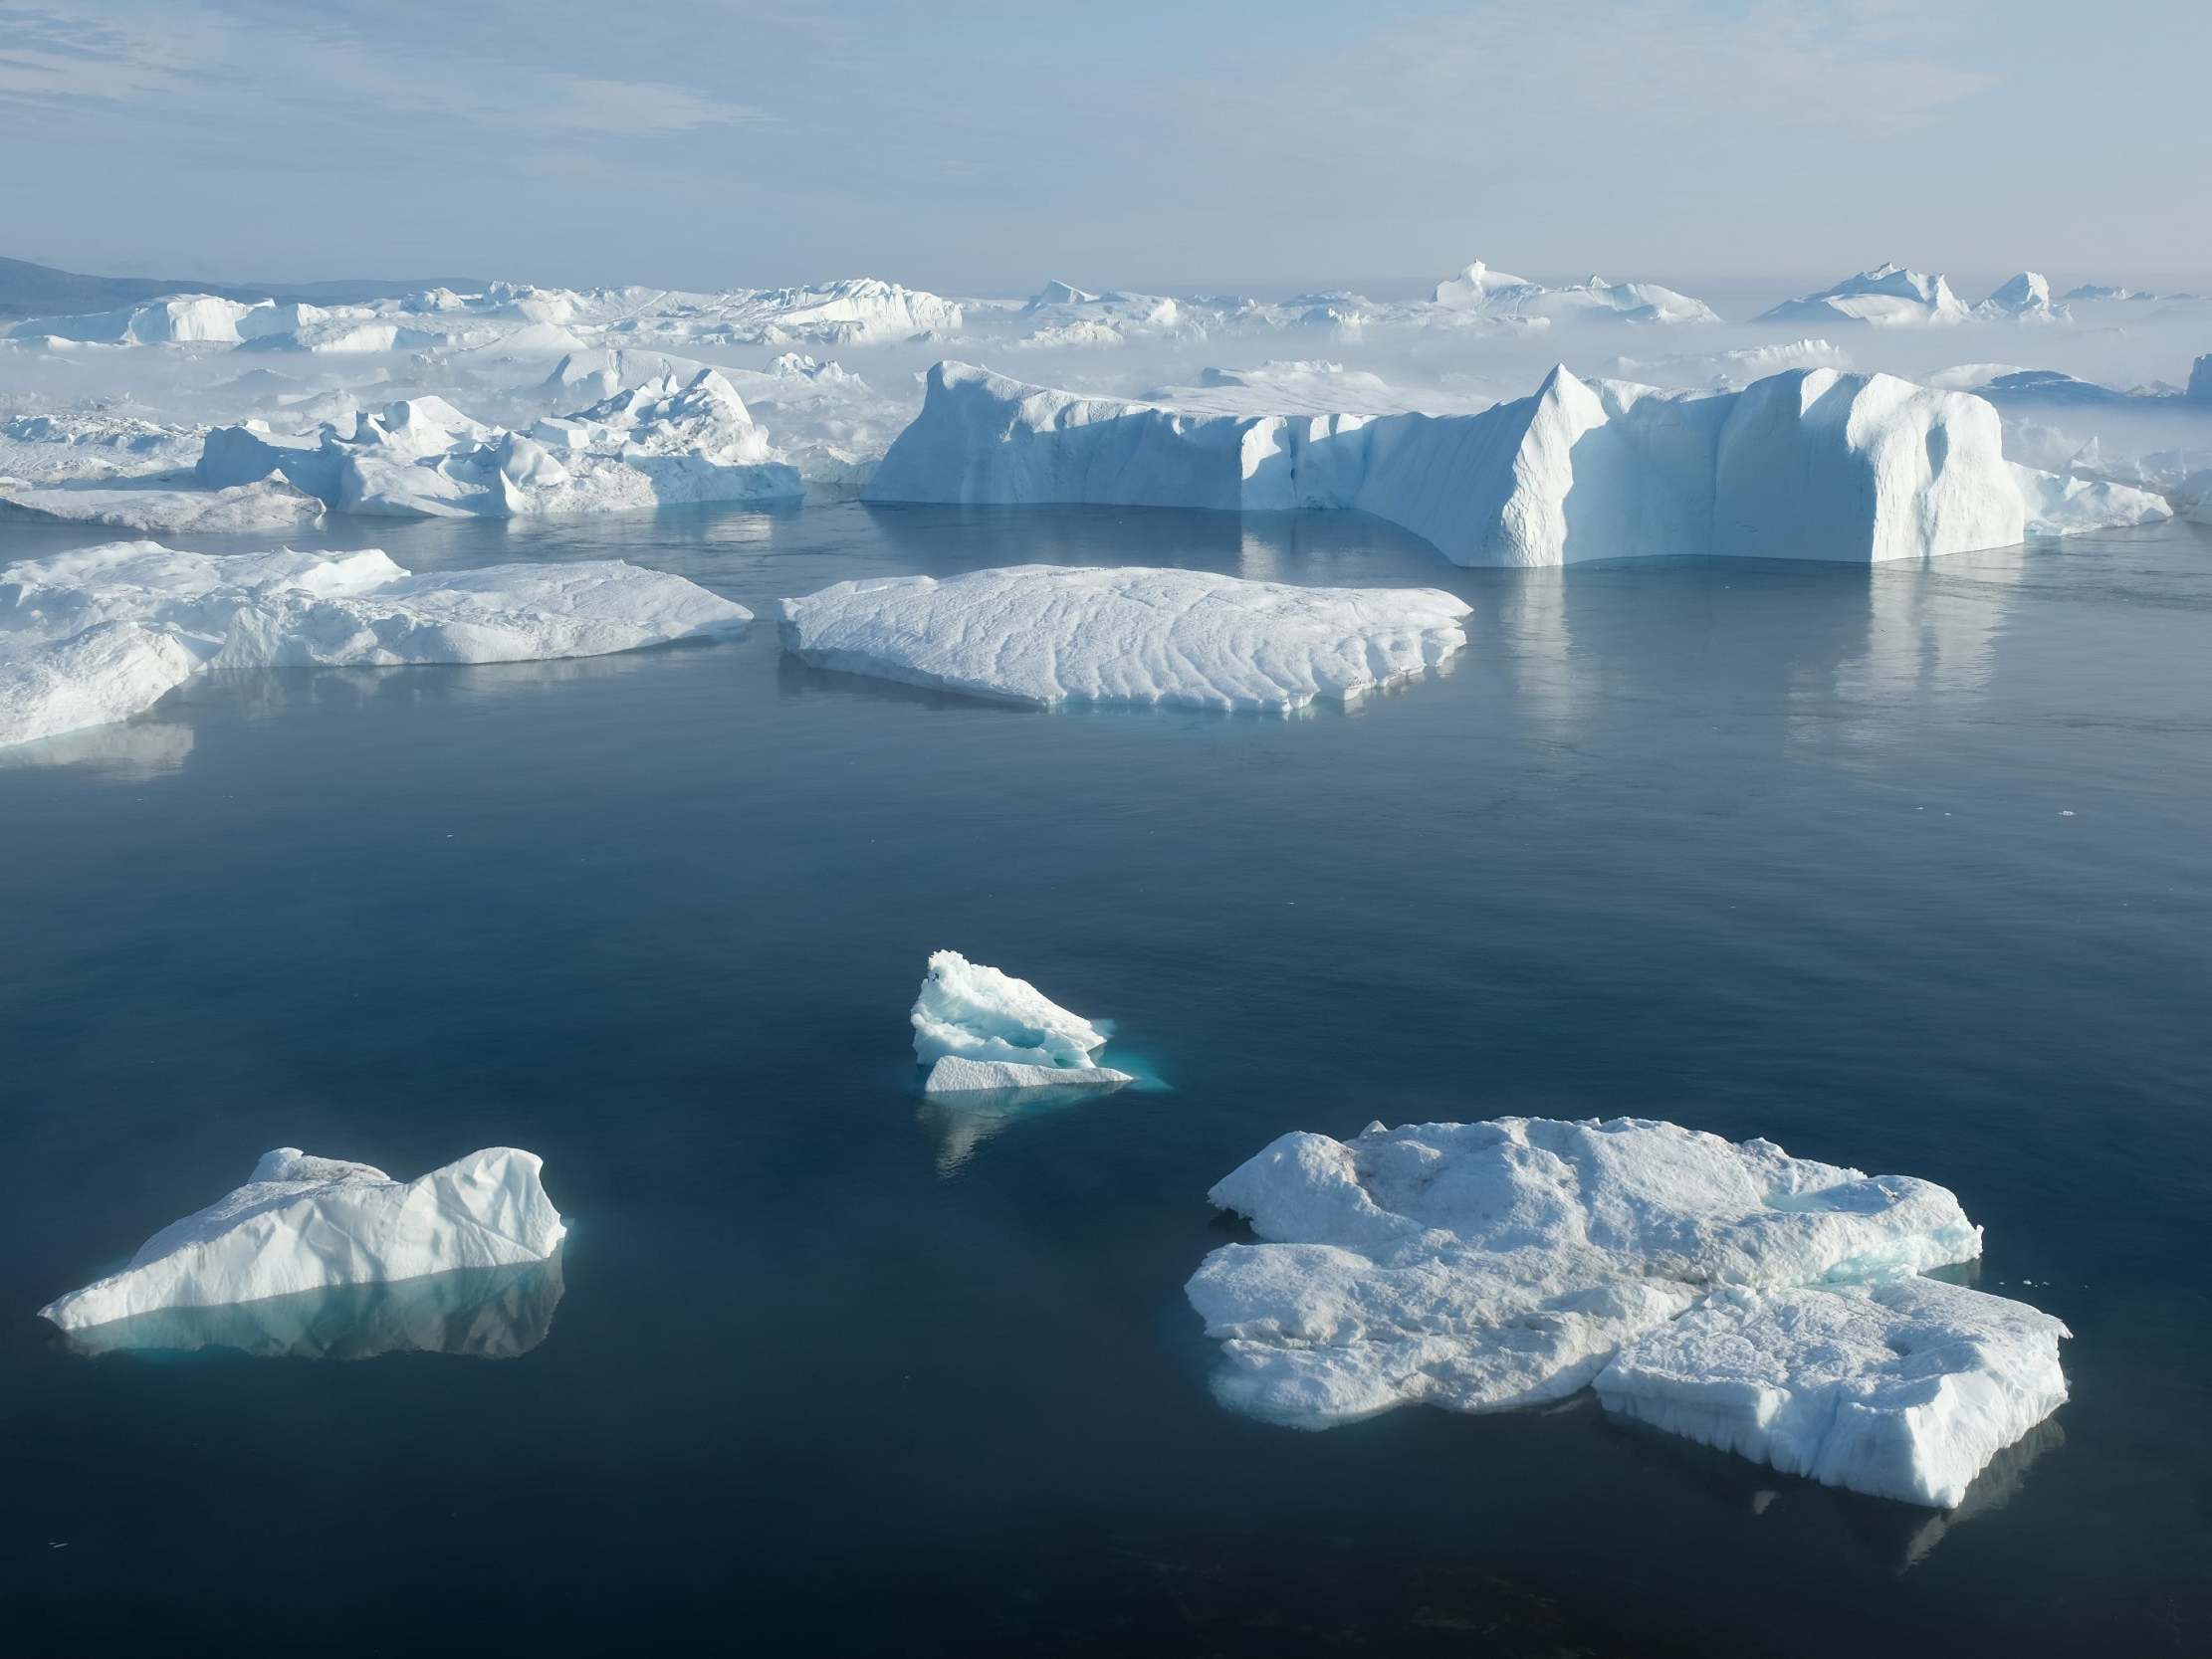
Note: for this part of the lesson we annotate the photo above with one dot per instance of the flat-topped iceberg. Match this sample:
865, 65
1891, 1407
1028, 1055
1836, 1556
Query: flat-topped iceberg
1042, 634
1806, 464
982, 1030
304, 1223
99, 633
1480, 291
1492, 1265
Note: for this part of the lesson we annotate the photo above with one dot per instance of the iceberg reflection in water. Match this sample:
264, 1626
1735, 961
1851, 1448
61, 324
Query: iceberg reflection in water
494, 1313
960, 1123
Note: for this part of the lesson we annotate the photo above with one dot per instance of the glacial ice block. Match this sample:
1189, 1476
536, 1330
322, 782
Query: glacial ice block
1487, 1265
303, 1223
1804, 464
980, 1029
1042, 634
1905, 1388
98, 633
2058, 504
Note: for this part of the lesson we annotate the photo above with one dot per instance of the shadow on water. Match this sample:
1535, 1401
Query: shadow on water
480, 1313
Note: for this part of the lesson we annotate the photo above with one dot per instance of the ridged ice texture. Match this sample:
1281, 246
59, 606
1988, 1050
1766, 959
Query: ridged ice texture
1499, 1264
1905, 1388
1039, 634
99, 633
972, 1013
303, 1223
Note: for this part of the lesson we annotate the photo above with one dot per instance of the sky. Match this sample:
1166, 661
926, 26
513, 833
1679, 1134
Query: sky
983, 148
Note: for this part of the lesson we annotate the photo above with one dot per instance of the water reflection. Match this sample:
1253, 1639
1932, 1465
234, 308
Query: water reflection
129, 751
1994, 1487
482, 1312
959, 1123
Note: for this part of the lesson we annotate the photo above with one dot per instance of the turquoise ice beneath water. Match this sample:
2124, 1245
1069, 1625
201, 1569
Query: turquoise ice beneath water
1727, 1291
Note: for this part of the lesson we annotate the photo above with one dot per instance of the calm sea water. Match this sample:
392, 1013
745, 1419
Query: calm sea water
1906, 869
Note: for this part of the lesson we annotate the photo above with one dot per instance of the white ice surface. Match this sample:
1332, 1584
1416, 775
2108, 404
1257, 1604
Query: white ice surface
1887, 297
1806, 464
957, 1075
1485, 1266
2058, 505
302, 1223
98, 633
265, 505
1903, 1388
1048, 635
972, 1013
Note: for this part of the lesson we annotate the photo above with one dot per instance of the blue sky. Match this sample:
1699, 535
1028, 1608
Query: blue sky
982, 148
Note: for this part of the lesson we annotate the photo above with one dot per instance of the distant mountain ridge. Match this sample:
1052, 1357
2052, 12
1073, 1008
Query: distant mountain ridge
28, 290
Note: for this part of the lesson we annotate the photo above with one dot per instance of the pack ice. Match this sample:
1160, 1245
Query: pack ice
1804, 464
981, 1030
1727, 1291
1042, 634
303, 1223
99, 633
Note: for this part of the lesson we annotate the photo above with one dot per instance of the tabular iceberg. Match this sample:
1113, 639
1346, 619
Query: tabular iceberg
1806, 464
1036, 633
981, 1030
1486, 1266
98, 633
1480, 291
303, 1223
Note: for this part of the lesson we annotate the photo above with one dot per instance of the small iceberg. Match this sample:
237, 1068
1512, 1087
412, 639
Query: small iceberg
1046, 635
980, 1031
303, 1223
1728, 1292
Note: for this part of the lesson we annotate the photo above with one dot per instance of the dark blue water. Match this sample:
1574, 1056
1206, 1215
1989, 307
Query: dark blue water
1769, 850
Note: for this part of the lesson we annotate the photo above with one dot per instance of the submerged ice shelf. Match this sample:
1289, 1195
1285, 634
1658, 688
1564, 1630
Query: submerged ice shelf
1048, 635
1755, 1300
98, 633
979, 1031
304, 1223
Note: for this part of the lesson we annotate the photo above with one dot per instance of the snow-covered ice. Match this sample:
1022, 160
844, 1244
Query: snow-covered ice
271, 504
303, 1223
101, 633
1903, 1387
1491, 1265
1049, 635
2063, 505
1887, 297
2025, 299
978, 1029
1492, 293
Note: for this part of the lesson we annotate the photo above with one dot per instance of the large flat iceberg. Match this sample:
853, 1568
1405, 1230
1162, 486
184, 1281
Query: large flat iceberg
1806, 464
1044, 634
97, 634
980, 1030
303, 1223
1488, 1266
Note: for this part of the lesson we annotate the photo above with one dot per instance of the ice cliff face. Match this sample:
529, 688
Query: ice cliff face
1727, 1291
1808, 463
1049, 635
303, 1223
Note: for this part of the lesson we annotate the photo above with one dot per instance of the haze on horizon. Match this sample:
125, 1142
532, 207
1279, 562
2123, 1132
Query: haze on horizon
983, 148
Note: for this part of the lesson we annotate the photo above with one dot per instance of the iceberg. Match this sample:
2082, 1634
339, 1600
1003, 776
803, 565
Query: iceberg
1494, 1264
304, 1223
269, 504
99, 633
982, 1030
2058, 504
1903, 1389
173, 319
2025, 299
1479, 291
1806, 464
1045, 635
1887, 297
2200, 380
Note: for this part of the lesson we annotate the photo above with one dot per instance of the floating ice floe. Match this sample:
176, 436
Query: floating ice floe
1045, 635
303, 1223
99, 633
154, 509
1724, 1290
1806, 464
981, 1030
1887, 297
